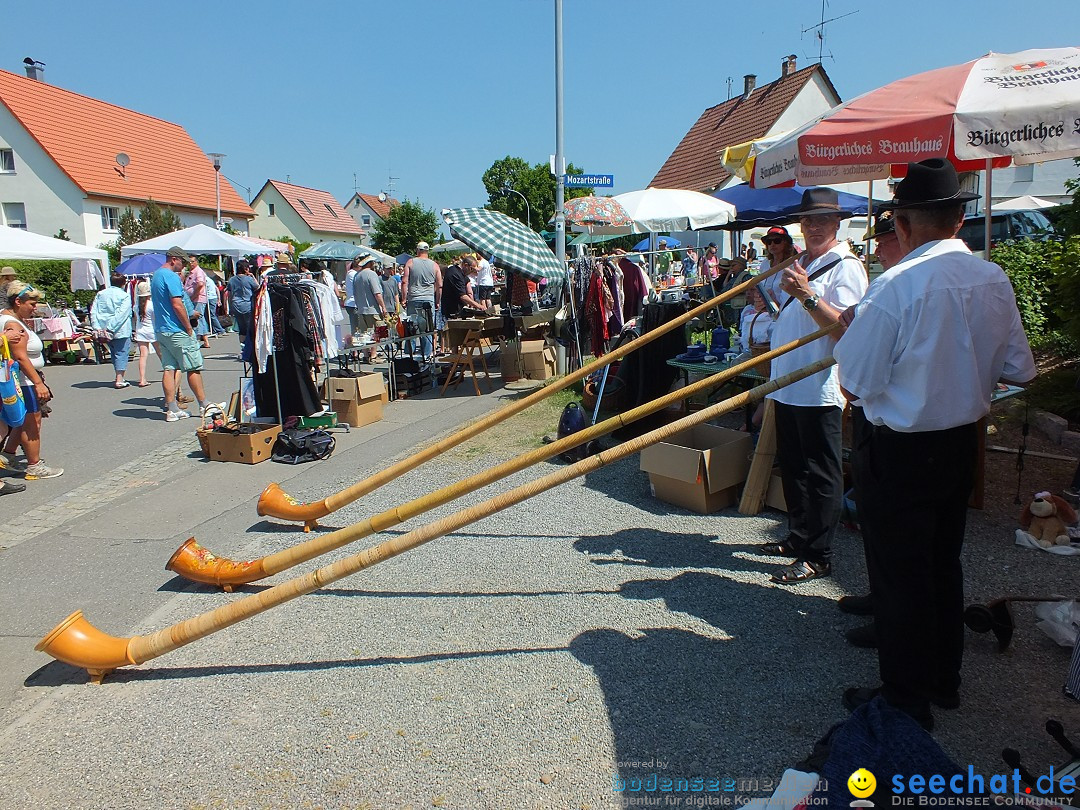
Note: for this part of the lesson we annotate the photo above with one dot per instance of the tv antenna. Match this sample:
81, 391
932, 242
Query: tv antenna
819, 30
729, 80
389, 190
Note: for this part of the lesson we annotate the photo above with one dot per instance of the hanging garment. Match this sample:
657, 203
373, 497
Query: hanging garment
292, 360
595, 314
634, 289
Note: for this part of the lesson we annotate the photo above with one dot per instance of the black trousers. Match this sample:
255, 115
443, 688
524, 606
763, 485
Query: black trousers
912, 494
808, 447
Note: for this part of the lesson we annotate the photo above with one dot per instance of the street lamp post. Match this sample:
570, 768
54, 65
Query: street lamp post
507, 191
216, 157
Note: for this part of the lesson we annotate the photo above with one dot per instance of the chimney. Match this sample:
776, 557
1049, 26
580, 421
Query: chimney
749, 80
788, 66
34, 69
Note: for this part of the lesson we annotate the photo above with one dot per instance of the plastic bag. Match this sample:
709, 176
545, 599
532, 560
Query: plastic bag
12, 407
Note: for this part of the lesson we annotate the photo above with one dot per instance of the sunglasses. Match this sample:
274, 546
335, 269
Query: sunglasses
775, 240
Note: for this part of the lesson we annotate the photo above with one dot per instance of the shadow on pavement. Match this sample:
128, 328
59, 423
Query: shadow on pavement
56, 673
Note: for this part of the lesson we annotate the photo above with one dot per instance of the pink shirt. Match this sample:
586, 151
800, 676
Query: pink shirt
196, 278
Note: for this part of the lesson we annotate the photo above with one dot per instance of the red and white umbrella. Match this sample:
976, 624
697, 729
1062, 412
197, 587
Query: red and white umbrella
1014, 108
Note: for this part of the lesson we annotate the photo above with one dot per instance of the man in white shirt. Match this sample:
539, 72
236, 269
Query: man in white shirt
826, 280
932, 337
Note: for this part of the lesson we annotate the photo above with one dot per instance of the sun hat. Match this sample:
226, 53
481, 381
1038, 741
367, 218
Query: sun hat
176, 252
929, 183
282, 258
142, 289
776, 230
819, 200
7, 272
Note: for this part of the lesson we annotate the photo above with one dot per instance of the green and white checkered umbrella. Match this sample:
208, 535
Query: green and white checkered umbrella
512, 245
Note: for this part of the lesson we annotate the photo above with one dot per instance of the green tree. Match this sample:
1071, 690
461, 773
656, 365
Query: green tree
535, 183
405, 226
298, 247
151, 220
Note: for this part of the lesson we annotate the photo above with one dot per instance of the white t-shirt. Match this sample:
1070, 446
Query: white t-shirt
350, 296
484, 276
34, 346
932, 337
841, 286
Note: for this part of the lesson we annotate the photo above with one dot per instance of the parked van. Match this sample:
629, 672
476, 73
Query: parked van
1004, 226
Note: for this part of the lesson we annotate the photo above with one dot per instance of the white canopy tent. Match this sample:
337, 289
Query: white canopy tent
88, 265
1024, 203
198, 239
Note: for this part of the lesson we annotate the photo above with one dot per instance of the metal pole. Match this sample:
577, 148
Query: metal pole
560, 161
987, 216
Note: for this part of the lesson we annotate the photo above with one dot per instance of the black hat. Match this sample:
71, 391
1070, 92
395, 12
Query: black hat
819, 200
882, 226
929, 183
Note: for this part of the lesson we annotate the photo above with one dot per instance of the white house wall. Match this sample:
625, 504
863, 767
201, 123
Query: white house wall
814, 99
358, 212
51, 199
286, 222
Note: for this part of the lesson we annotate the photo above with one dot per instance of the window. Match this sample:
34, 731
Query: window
356, 203
367, 220
271, 205
7, 161
110, 218
303, 204
14, 214
331, 210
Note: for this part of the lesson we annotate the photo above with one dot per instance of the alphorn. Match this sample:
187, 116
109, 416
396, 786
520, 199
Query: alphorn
275, 502
77, 642
197, 563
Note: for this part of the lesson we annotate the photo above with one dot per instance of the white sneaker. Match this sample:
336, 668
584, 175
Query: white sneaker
176, 416
35, 472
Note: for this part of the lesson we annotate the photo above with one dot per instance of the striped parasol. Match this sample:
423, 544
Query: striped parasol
512, 245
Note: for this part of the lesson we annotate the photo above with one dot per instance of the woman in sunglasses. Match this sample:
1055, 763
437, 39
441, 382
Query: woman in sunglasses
779, 247
26, 347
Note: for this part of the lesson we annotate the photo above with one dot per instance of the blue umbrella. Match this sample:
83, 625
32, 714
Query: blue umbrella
644, 243
401, 258
759, 207
142, 265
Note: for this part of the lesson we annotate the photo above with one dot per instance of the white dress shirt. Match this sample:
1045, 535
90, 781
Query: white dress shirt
841, 286
932, 337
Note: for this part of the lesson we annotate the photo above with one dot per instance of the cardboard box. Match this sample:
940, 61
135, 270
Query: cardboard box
540, 366
249, 448
357, 401
699, 469
774, 495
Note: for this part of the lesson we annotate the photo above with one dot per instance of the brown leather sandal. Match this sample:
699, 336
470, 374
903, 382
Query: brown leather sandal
802, 571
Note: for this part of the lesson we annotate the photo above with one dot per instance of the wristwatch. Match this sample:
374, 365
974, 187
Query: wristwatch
810, 304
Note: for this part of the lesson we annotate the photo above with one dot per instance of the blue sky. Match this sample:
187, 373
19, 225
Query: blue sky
434, 91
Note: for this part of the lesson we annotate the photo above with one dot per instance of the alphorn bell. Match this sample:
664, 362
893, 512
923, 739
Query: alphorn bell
197, 563
77, 642
275, 502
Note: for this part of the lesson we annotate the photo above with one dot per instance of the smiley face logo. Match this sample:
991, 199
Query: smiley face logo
861, 783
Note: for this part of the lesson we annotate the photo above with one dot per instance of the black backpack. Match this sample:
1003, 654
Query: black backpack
297, 446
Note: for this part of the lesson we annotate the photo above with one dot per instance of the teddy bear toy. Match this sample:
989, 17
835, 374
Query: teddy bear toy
1045, 519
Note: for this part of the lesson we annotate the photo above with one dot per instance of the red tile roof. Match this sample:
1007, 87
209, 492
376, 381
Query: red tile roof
319, 210
695, 163
84, 135
380, 208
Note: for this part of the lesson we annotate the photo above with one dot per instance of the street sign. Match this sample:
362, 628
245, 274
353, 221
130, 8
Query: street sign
584, 180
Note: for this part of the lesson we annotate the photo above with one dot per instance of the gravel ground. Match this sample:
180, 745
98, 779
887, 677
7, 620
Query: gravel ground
588, 634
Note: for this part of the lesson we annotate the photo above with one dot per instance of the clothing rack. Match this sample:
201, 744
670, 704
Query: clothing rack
283, 278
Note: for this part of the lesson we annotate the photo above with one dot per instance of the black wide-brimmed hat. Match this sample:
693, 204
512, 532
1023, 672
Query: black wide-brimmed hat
929, 183
819, 200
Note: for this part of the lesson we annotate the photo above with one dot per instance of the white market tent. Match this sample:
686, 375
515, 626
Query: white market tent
88, 265
198, 239
1024, 203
